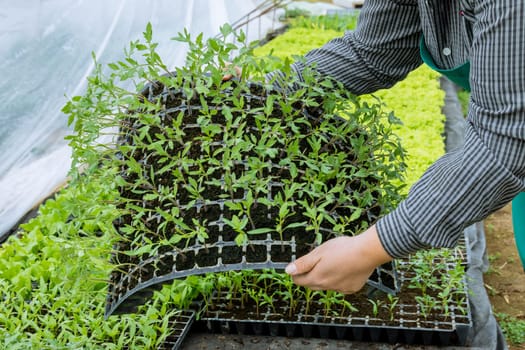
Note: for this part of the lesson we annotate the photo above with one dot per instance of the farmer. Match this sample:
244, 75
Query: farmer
478, 44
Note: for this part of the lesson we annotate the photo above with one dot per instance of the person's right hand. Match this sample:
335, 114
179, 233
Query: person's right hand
343, 264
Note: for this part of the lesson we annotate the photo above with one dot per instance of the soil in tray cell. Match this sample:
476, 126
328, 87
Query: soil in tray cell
164, 265
147, 271
305, 241
207, 257
185, 261
262, 218
281, 253
256, 253
211, 212
231, 255
228, 235
213, 232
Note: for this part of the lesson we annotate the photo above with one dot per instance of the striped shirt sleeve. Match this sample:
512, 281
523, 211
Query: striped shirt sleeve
466, 185
370, 57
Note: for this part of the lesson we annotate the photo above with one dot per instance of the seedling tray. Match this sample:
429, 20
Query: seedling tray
454, 332
180, 324
158, 200
406, 324
266, 253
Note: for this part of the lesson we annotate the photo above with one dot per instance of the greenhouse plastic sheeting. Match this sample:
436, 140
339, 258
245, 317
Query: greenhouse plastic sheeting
45, 57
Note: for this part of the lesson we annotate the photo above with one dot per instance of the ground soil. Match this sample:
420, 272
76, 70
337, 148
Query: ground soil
505, 280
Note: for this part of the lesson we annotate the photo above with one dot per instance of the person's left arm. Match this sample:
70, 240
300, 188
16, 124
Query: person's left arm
469, 184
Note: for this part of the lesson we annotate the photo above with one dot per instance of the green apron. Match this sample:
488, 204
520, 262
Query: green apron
460, 76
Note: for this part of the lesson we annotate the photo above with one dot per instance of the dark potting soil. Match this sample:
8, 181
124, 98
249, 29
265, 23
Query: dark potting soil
305, 241
281, 253
185, 261
231, 255
256, 253
207, 257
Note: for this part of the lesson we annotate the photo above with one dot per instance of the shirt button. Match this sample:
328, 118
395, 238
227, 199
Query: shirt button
447, 51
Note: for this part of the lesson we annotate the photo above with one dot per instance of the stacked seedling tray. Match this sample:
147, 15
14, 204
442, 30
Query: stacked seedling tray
413, 317
179, 324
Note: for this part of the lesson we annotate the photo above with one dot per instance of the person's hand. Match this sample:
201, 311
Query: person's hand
237, 70
343, 264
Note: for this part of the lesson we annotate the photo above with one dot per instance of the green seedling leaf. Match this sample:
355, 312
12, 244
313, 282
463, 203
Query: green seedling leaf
261, 230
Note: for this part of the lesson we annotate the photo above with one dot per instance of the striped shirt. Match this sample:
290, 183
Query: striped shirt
468, 184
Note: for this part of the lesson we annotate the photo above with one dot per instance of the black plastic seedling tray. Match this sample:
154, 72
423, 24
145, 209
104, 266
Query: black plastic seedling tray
147, 276
440, 333
408, 326
138, 275
180, 324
